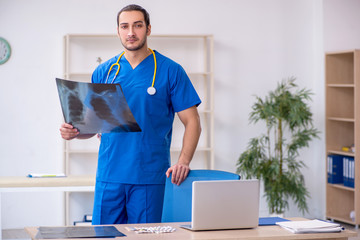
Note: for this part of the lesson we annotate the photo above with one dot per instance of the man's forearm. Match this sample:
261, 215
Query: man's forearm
190, 140
191, 120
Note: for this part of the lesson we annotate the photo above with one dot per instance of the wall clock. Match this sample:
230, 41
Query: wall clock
5, 51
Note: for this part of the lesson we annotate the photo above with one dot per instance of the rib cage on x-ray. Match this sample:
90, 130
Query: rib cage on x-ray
95, 108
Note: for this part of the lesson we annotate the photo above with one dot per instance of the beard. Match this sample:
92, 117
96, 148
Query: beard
134, 48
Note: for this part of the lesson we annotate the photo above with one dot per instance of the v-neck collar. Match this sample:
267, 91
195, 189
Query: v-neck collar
143, 62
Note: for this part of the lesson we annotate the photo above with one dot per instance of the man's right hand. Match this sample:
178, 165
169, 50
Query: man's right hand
68, 131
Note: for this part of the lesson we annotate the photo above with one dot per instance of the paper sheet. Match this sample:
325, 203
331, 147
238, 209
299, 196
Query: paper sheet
310, 226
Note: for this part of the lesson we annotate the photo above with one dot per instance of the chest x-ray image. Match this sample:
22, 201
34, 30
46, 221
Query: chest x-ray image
95, 108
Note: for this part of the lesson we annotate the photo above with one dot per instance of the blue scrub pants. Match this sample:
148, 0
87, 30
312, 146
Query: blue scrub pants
117, 203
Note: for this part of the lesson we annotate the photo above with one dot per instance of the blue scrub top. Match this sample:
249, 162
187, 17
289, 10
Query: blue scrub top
143, 157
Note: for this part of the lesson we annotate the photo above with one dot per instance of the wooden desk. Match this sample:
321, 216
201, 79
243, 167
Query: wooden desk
262, 232
63, 184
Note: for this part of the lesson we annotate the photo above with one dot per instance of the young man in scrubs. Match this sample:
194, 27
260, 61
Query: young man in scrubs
133, 166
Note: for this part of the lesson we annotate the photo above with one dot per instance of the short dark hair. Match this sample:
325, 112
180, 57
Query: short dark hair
134, 7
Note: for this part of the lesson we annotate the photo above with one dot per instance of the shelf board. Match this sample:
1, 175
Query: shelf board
79, 74
339, 119
180, 36
199, 73
110, 35
349, 51
82, 151
199, 149
338, 85
350, 154
341, 186
340, 219
87, 74
205, 111
175, 149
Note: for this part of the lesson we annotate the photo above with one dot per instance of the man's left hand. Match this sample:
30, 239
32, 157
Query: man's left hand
179, 173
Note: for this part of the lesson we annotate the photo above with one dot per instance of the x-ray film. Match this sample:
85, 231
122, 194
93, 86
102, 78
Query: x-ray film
95, 108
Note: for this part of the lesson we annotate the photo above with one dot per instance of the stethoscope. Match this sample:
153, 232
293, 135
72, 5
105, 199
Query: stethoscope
151, 90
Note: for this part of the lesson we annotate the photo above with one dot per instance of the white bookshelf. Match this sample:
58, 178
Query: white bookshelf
193, 52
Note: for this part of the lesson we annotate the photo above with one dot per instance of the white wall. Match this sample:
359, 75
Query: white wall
257, 44
341, 25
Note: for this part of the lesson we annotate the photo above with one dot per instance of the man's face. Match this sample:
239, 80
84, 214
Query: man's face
132, 30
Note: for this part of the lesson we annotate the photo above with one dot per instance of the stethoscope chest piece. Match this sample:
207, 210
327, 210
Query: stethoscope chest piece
151, 90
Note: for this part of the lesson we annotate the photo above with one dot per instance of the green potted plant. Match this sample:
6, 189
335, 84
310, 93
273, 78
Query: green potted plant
273, 157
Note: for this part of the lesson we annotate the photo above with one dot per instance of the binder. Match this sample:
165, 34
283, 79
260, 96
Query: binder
87, 221
349, 171
82, 223
268, 221
88, 217
335, 169
78, 232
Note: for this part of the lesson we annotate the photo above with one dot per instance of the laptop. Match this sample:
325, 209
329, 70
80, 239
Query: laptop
225, 204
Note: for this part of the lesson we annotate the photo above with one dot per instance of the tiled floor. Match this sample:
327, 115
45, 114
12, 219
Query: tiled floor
21, 234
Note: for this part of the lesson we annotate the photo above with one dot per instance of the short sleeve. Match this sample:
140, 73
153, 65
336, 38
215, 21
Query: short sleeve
183, 93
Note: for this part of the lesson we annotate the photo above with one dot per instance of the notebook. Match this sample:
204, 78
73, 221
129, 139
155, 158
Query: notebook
225, 204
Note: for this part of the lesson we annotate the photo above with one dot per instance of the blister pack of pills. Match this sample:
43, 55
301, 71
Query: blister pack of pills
158, 229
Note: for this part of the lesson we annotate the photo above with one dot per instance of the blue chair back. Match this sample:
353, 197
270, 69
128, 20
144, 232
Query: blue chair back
177, 199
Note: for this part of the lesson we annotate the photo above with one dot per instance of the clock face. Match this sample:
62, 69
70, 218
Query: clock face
5, 51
